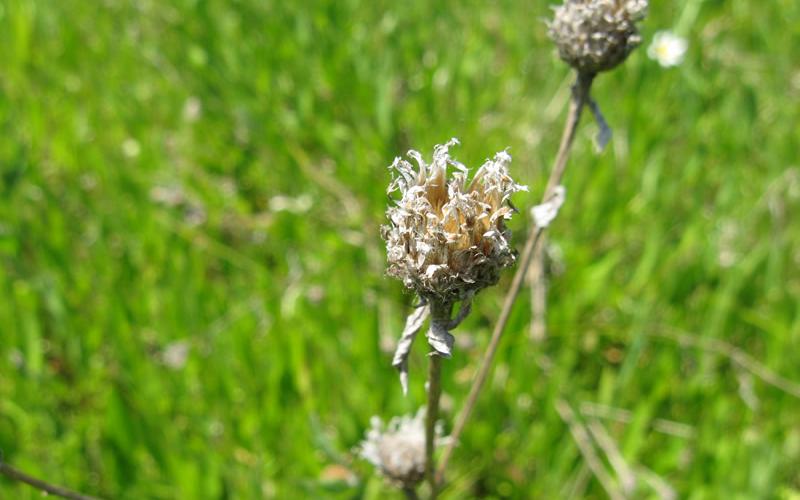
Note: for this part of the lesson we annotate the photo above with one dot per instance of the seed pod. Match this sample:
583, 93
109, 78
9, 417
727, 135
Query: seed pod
446, 238
596, 35
397, 450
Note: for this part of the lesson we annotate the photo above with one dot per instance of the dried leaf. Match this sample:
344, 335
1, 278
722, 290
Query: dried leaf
414, 324
604, 133
544, 213
441, 339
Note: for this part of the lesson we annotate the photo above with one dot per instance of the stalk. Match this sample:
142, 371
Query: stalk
440, 318
43, 486
580, 98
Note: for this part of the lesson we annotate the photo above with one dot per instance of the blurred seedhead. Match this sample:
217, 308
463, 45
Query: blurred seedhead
596, 35
397, 449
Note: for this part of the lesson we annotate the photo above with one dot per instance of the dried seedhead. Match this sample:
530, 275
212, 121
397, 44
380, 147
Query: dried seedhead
596, 35
397, 450
446, 238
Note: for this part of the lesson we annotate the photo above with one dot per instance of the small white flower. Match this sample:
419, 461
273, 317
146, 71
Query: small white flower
192, 109
667, 48
299, 205
169, 195
131, 148
175, 354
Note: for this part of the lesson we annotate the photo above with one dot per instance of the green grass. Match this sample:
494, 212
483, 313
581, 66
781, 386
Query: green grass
687, 222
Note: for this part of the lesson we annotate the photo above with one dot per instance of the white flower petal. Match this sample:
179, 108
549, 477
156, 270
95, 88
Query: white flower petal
668, 49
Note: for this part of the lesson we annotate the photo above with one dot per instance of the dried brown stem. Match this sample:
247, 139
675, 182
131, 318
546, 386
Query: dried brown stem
733, 353
434, 392
580, 96
440, 314
410, 493
669, 427
537, 280
46, 488
625, 473
584, 442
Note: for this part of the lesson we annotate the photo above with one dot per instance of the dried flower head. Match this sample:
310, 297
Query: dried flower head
446, 238
596, 35
398, 449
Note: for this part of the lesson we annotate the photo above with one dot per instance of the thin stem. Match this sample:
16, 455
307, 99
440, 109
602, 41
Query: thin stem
410, 493
580, 96
733, 353
584, 442
537, 280
47, 488
434, 392
440, 314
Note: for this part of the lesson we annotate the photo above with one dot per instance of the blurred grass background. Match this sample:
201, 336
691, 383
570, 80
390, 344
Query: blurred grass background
192, 299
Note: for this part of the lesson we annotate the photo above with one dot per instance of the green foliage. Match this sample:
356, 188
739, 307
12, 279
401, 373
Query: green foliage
207, 177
